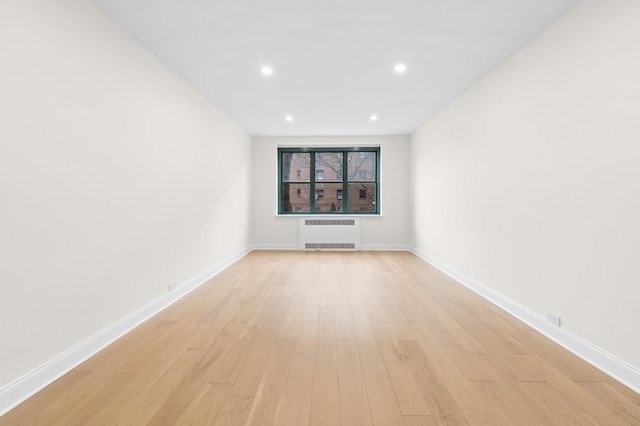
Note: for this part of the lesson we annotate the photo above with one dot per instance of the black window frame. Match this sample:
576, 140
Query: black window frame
345, 180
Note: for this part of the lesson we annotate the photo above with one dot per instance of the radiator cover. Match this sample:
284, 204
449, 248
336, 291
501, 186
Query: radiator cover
329, 234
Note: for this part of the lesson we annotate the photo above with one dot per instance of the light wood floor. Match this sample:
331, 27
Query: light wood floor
315, 338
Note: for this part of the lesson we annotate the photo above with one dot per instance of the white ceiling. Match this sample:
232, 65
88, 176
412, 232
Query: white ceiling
333, 59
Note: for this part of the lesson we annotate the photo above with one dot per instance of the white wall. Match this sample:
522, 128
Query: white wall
391, 230
116, 179
530, 182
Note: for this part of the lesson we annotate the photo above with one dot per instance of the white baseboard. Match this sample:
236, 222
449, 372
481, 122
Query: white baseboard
618, 369
18, 391
293, 246
380, 247
386, 247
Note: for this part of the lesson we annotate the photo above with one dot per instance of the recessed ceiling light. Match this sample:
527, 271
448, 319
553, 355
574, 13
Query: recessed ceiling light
288, 118
400, 68
373, 117
266, 70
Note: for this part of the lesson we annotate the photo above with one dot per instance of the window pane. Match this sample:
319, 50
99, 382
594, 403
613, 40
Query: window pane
330, 164
295, 166
362, 197
331, 199
362, 166
295, 197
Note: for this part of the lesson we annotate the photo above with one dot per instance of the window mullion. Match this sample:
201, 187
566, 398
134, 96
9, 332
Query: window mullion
312, 182
345, 186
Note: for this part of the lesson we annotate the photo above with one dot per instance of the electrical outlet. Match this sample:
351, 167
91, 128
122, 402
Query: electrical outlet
553, 319
173, 286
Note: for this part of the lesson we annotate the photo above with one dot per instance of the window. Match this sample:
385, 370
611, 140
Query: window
328, 180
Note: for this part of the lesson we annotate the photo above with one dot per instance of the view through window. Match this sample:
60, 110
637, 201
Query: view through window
316, 180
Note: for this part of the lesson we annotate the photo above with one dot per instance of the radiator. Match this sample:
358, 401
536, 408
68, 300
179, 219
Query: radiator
329, 234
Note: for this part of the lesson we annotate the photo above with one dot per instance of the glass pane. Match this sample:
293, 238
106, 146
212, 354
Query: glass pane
295, 197
362, 197
295, 166
329, 166
329, 197
362, 166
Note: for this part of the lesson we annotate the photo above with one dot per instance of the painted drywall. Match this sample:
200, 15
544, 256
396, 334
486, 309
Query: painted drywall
530, 182
116, 179
390, 230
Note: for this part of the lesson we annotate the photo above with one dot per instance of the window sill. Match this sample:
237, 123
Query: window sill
324, 216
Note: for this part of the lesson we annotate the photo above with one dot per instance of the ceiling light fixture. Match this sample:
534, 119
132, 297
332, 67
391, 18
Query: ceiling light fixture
266, 70
288, 118
400, 68
373, 117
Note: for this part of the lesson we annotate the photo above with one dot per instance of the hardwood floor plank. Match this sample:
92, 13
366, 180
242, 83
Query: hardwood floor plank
325, 403
252, 368
571, 365
626, 408
291, 322
234, 351
465, 392
419, 421
441, 402
382, 399
146, 348
354, 404
311, 309
473, 366
564, 412
168, 397
81, 411
234, 411
125, 400
205, 406
406, 389
119, 353
267, 402
296, 402
344, 322
43, 407
568, 391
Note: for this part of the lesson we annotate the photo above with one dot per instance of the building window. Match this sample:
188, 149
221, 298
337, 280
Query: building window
328, 180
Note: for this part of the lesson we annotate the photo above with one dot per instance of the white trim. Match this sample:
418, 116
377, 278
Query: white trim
330, 216
26, 386
287, 246
363, 247
385, 247
620, 370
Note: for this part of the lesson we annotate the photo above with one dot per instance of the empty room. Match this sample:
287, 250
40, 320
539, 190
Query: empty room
330, 212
